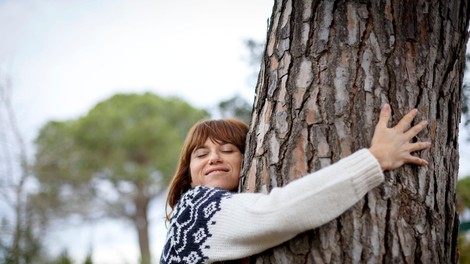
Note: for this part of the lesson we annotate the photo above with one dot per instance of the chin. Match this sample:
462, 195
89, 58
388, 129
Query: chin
224, 186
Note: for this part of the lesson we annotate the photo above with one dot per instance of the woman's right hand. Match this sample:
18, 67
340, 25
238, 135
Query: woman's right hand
392, 147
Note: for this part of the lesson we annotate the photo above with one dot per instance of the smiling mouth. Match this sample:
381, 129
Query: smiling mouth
216, 171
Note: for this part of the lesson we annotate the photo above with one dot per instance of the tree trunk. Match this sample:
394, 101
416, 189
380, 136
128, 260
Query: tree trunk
141, 223
328, 68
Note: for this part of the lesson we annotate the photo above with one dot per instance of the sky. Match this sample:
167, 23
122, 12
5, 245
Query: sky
65, 56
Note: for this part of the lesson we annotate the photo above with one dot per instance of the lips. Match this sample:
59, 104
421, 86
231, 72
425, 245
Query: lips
215, 170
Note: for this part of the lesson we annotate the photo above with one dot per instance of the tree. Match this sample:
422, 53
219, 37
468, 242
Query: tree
115, 160
328, 67
21, 232
64, 258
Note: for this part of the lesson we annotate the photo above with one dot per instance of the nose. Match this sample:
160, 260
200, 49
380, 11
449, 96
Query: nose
214, 158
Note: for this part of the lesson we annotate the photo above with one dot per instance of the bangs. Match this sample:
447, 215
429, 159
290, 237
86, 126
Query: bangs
220, 131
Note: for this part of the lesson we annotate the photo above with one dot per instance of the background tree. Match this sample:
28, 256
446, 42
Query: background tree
19, 228
328, 67
235, 106
464, 247
466, 95
463, 207
463, 194
115, 160
255, 55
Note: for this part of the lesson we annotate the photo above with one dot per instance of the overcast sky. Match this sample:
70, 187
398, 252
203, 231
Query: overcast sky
65, 56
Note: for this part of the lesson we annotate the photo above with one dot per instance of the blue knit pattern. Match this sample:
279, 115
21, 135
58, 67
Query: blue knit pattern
189, 225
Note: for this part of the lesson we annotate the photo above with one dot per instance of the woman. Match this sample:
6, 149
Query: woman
210, 223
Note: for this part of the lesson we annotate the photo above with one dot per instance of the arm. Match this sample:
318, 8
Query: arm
253, 223
249, 223
211, 224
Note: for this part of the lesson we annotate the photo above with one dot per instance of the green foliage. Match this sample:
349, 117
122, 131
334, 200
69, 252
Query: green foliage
27, 249
63, 258
88, 259
464, 250
463, 194
463, 203
125, 144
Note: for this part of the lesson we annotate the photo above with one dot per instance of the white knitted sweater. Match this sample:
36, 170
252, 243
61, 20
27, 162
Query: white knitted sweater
211, 224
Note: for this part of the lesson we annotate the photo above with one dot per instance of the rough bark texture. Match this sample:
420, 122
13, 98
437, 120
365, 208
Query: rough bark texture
327, 69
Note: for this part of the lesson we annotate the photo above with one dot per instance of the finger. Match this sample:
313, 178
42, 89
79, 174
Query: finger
417, 161
384, 117
405, 122
415, 130
419, 146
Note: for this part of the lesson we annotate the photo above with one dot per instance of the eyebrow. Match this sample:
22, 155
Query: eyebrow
200, 147
205, 147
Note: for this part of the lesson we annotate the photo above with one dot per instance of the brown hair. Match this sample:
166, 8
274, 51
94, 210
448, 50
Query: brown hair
229, 130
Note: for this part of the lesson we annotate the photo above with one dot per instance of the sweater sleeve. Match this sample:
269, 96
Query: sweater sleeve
244, 224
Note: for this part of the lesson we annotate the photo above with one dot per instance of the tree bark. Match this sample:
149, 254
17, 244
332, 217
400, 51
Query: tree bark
328, 68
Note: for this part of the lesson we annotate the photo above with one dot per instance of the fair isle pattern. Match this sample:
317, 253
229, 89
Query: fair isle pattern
189, 225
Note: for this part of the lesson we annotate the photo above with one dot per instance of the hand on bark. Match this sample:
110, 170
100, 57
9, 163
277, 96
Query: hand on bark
392, 147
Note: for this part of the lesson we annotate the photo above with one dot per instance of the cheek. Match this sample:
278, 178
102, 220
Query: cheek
240, 160
238, 164
194, 169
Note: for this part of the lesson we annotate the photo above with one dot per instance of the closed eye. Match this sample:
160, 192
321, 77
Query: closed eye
228, 148
201, 155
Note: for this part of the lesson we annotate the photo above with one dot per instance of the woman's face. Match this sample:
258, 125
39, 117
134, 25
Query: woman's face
216, 165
